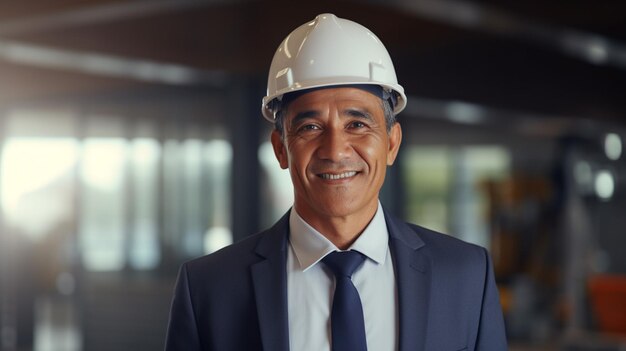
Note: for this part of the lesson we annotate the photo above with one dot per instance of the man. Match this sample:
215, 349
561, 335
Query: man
333, 96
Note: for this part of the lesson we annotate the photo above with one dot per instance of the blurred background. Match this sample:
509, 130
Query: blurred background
131, 140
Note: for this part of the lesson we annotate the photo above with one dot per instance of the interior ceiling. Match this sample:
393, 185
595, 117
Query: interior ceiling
510, 58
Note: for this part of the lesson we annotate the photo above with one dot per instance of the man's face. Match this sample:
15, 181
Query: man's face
337, 149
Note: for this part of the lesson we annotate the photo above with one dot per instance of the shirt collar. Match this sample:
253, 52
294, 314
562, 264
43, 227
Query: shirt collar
310, 246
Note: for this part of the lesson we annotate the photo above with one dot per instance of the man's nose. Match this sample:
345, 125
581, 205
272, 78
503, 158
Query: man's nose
334, 145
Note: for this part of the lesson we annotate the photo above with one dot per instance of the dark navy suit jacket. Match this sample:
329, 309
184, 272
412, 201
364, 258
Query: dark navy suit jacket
236, 298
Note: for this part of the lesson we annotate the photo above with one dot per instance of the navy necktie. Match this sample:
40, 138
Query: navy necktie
347, 326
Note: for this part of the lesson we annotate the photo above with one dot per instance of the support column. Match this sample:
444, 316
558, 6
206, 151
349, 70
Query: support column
244, 115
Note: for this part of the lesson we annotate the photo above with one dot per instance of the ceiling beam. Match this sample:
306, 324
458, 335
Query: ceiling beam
99, 64
589, 47
96, 14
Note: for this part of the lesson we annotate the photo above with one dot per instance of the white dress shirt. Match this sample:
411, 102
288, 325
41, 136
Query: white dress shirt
311, 285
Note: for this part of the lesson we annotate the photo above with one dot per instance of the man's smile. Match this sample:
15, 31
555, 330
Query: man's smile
343, 175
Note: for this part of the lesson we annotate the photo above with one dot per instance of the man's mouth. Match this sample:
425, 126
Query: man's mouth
328, 176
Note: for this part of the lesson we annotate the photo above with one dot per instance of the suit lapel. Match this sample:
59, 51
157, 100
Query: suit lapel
413, 277
270, 287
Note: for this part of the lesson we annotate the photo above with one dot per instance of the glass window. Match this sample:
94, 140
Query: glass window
426, 174
144, 246
218, 159
197, 192
472, 167
37, 173
131, 198
193, 197
445, 187
277, 189
172, 199
103, 204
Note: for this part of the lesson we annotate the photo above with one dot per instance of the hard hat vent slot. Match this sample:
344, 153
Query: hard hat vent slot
377, 72
284, 79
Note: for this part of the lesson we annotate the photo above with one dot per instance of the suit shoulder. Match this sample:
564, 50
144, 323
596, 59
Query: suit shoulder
448, 245
241, 253
238, 257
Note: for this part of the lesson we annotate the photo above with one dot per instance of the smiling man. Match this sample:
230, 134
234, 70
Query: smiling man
337, 272
337, 147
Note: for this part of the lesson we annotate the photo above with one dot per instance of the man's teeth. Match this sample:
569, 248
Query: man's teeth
338, 176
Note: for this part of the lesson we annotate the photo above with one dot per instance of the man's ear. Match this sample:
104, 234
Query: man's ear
395, 139
279, 149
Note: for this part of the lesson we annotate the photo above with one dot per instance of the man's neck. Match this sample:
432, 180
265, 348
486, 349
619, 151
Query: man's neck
342, 231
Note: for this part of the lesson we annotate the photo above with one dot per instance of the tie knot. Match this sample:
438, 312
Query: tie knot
343, 263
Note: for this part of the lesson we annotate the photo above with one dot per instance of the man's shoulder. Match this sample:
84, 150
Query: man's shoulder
445, 245
434, 237
235, 254
450, 256
241, 254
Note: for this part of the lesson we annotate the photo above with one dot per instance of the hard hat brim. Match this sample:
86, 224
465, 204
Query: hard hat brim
268, 113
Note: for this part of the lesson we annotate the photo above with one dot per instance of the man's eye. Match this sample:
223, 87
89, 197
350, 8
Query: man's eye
357, 125
308, 127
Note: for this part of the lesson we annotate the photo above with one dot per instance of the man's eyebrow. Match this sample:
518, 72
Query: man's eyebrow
359, 113
303, 115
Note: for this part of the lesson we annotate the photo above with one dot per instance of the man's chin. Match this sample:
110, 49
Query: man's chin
340, 207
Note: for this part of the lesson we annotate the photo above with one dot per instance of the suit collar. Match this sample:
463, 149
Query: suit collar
311, 246
269, 279
401, 231
413, 278
274, 241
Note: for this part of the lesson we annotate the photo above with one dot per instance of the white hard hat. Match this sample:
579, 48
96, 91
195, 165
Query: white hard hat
330, 51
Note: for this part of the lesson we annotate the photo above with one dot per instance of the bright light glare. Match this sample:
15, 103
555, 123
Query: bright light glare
102, 225
106, 158
604, 185
29, 164
219, 152
613, 146
33, 175
145, 151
